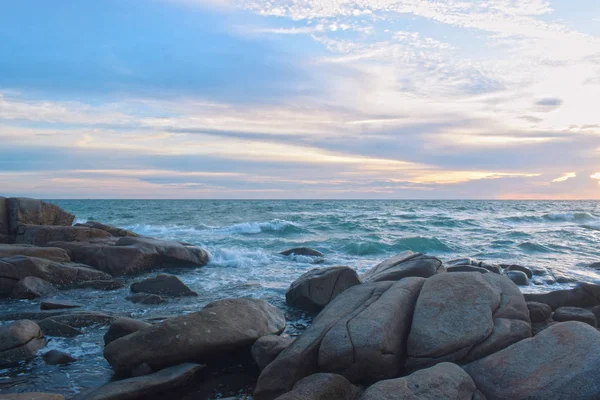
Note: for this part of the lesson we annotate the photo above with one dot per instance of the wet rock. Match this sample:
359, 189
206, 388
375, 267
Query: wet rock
4, 233
50, 327
267, 348
113, 230
560, 362
595, 265
31, 287
539, 312
518, 277
464, 316
322, 387
596, 311
20, 341
463, 262
466, 268
166, 285
442, 381
57, 305
84, 318
40, 235
404, 265
31, 396
221, 329
130, 255
145, 298
560, 277
575, 314
585, 295
360, 335
525, 270
49, 253
25, 211
155, 385
314, 289
106, 285
55, 357
302, 251
123, 327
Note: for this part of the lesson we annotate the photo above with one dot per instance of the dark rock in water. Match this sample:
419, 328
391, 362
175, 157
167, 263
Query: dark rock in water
518, 277
40, 235
442, 381
83, 319
595, 265
155, 385
20, 341
575, 314
123, 327
31, 287
404, 265
596, 311
145, 298
51, 327
32, 315
314, 289
464, 316
57, 305
525, 270
302, 251
166, 285
114, 231
322, 387
466, 268
130, 255
560, 362
267, 348
31, 396
106, 285
55, 357
539, 312
25, 211
361, 335
585, 295
221, 329
49, 253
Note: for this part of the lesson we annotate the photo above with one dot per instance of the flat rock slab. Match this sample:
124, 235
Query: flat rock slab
165, 285
39, 235
49, 253
575, 314
585, 295
113, 230
404, 265
31, 396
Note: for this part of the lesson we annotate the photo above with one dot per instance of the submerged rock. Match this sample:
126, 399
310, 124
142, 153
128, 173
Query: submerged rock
26, 211
314, 289
55, 357
31, 287
404, 265
267, 348
49, 253
167, 285
575, 314
145, 298
585, 295
322, 387
20, 341
123, 327
302, 251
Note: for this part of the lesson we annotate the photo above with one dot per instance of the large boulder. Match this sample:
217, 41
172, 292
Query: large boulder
113, 230
584, 295
129, 255
518, 277
402, 266
561, 362
61, 275
322, 387
25, 211
166, 285
360, 335
221, 329
20, 341
314, 289
267, 348
575, 314
39, 235
123, 327
464, 316
50, 253
31, 287
157, 385
442, 381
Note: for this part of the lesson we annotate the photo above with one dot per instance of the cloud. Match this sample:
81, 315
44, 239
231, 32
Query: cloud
565, 177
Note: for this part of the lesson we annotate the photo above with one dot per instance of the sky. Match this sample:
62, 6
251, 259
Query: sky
382, 99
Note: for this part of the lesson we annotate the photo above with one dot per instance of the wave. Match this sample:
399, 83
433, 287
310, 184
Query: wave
575, 217
276, 225
592, 226
530, 247
417, 244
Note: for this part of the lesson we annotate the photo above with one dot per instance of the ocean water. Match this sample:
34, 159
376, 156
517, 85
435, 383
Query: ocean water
244, 238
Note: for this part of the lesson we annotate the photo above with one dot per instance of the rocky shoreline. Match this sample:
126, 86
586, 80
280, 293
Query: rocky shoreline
410, 327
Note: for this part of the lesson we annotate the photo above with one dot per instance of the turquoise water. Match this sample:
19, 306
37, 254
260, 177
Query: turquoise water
244, 237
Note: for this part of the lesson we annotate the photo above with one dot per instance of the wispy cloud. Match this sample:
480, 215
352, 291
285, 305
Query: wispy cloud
565, 177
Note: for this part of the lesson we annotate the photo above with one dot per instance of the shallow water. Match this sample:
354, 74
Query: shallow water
243, 238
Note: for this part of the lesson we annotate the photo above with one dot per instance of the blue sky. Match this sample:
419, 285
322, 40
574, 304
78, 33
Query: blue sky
300, 99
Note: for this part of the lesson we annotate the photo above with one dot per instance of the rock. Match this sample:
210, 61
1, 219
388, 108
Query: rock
31, 287
57, 305
129, 255
322, 387
584, 296
538, 312
55, 357
267, 348
51, 327
31, 396
84, 318
302, 251
123, 327
145, 298
105, 285
4, 232
464, 316
61, 275
518, 277
560, 362
314, 289
442, 381
39, 235
221, 329
167, 285
525, 270
114, 231
25, 211
463, 262
561, 277
49, 253
490, 267
595, 265
402, 266
360, 335
20, 341
466, 268
157, 385
596, 311
575, 314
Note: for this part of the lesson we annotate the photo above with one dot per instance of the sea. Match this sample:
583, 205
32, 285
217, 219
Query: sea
244, 237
